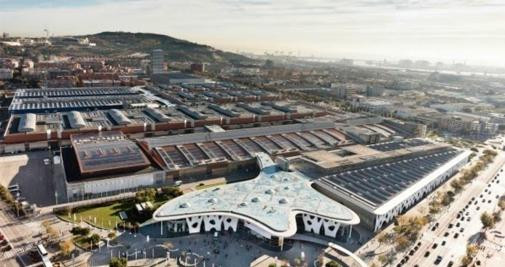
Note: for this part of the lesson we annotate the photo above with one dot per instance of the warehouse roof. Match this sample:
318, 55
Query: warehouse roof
376, 184
107, 152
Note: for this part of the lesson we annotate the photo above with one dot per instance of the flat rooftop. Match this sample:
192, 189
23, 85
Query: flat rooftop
190, 150
394, 145
66, 99
106, 152
376, 184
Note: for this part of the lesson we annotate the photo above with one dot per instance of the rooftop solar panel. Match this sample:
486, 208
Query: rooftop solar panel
378, 184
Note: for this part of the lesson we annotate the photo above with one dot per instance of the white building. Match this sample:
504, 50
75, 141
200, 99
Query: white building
271, 206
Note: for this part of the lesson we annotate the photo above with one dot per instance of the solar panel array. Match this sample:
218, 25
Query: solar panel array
66, 99
73, 103
73, 92
380, 183
193, 154
110, 155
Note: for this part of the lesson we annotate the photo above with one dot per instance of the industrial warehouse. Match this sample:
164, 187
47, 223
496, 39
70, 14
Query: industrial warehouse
374, 183
118, 139
48, 117
383, 180
103, 164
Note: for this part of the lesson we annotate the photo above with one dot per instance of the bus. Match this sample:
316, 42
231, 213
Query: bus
42, 251
44, 255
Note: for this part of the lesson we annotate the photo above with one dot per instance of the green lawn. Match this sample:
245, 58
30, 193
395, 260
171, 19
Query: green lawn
107, 215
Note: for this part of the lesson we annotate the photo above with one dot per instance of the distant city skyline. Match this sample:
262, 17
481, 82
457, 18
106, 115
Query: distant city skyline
471, 31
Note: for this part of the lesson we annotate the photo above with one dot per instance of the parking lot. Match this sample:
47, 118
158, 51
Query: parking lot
31, 174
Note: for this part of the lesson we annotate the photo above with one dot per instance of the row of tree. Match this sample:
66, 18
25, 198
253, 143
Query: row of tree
11, 201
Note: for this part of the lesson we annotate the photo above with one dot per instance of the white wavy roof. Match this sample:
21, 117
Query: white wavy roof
269, 201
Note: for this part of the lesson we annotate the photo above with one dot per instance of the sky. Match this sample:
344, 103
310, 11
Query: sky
471, 31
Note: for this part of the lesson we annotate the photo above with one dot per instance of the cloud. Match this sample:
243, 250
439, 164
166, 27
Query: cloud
438, 29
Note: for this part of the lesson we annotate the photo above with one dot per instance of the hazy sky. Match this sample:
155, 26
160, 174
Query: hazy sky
460, 30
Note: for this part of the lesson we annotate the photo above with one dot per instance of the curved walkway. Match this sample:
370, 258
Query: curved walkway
306, 238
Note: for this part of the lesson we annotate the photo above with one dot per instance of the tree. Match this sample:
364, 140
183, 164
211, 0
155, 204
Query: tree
486, 220
117, 262
148, 194
465, 261
67, 247
383, 238
84, 231
402, 242
456, 185
52, 233
501, 203
497, 216
170, 192
471, 251
111, 235
94, 239
332, 264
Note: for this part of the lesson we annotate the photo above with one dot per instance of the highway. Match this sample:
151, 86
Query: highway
477, 197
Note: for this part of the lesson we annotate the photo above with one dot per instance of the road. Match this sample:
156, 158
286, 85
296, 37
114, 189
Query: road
20, 235
477, 197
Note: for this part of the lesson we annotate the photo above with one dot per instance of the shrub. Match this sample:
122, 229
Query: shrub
117, 262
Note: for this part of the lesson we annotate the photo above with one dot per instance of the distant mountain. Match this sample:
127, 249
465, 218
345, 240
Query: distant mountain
125, 43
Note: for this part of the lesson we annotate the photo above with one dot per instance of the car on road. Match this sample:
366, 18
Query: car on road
426, 254
489, 201
438, 260
411, 253
450, 226
461, 230
456, 235
46, 161
458, 224
446, 234
468, 219
478, 208
13, 187
450, 264
443, 243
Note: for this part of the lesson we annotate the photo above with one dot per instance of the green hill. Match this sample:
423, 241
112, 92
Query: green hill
125, 43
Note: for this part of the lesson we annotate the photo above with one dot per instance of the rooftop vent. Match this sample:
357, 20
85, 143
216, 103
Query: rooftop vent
184, 205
